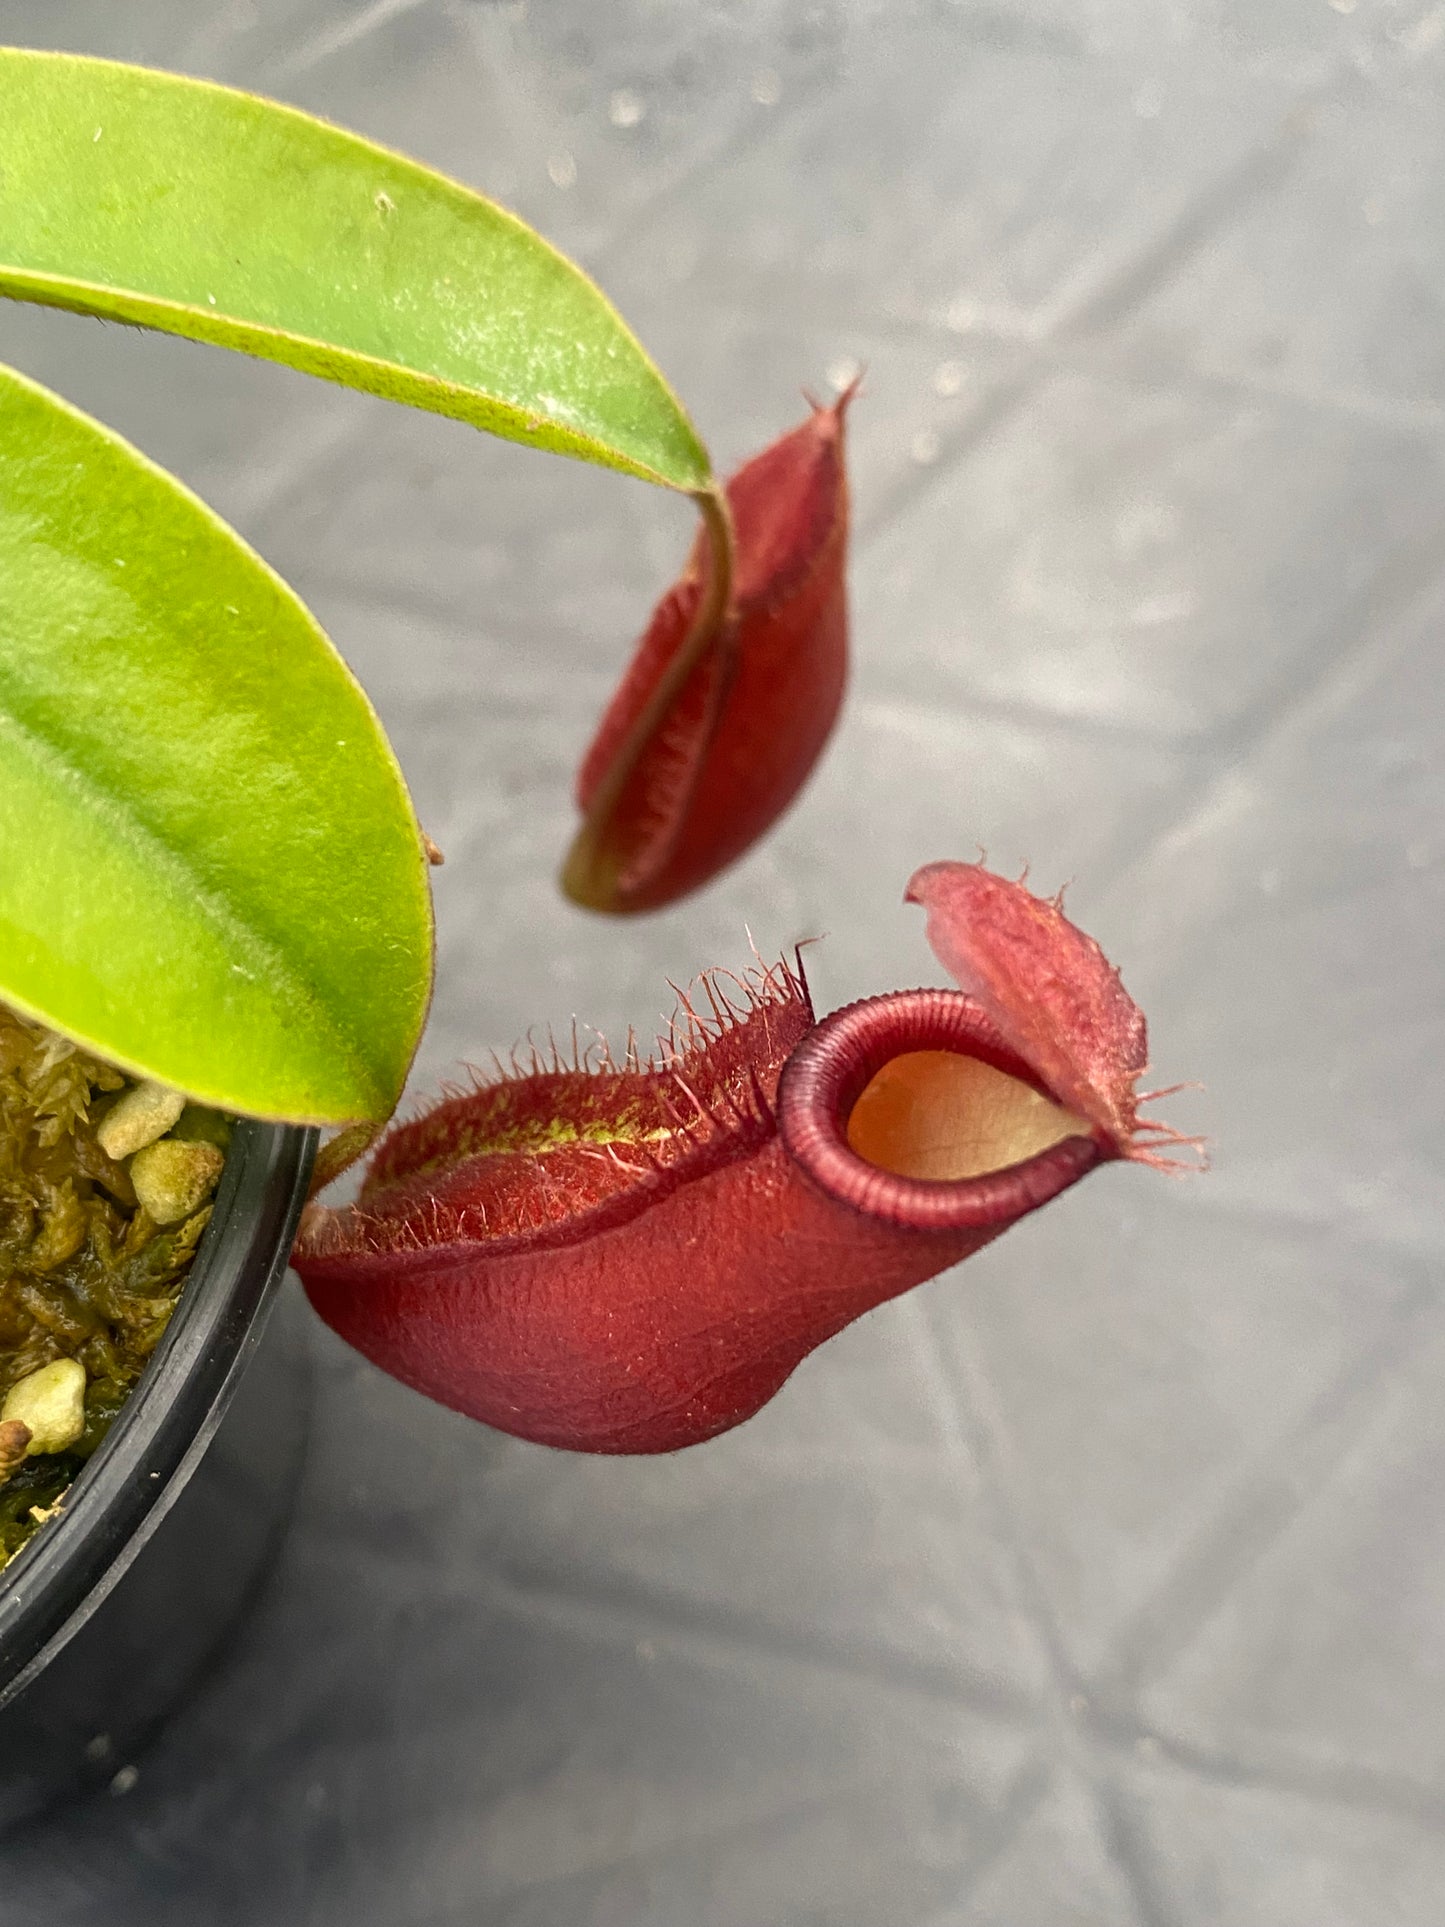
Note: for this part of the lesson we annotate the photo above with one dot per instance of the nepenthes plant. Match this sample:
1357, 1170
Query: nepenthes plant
607, 1255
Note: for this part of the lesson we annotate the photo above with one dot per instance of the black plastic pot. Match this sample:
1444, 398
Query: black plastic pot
111, 1611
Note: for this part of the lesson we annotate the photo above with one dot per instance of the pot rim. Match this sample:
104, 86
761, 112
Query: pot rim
53, 1584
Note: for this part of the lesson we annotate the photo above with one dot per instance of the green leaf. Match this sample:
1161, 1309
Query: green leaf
150, 198
212, 874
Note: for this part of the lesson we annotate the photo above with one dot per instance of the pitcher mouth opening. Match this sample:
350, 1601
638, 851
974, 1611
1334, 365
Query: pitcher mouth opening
912, 1109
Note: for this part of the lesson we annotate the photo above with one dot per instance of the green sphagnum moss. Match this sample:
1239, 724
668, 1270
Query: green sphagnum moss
85, 1274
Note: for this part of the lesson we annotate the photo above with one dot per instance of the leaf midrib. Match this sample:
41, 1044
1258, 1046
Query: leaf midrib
258, 944
467, 403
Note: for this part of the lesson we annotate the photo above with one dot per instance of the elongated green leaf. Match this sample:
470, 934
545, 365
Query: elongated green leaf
209, 867
150, 198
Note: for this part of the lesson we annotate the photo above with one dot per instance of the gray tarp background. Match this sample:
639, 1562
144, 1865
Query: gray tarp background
1105, 1582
